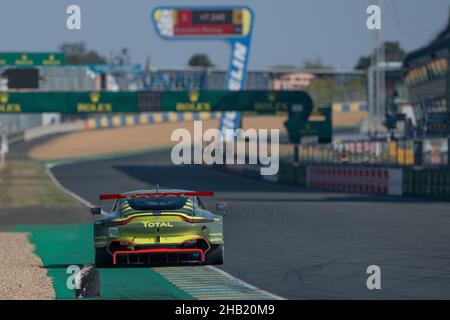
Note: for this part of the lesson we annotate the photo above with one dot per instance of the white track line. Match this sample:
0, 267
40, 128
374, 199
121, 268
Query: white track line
245, 284
48, 168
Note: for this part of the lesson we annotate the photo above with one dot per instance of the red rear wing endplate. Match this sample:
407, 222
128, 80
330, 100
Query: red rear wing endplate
156, 195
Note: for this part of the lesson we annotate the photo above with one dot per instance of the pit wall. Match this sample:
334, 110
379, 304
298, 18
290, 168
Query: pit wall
409, 182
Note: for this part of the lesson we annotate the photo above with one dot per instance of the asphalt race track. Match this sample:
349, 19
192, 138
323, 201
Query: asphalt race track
296, 243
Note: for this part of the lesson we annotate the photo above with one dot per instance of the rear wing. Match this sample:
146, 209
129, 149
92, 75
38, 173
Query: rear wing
155, 195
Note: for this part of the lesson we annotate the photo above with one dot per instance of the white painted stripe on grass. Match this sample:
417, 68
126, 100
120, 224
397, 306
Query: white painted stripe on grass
210, 282
245, 284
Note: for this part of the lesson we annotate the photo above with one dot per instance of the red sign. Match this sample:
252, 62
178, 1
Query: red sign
208, 22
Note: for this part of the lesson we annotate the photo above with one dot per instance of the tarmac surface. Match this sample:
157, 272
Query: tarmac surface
297, 243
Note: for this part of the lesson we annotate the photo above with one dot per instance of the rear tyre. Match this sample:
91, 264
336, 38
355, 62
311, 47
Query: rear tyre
102, 258
215, 255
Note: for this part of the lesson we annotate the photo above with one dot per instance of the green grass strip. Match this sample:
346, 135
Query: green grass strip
60, 246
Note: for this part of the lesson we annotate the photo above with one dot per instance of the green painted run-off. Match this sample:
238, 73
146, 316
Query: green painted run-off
60, 246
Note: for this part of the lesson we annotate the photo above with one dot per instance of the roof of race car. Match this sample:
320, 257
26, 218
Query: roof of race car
187, 208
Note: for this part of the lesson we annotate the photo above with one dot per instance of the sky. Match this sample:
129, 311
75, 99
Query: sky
286, 32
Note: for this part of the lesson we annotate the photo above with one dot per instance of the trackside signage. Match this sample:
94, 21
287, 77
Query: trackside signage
7, 106
232, 24
67, 102
258, 102
32, 59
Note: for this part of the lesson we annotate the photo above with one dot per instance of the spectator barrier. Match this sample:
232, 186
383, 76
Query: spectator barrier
409, 182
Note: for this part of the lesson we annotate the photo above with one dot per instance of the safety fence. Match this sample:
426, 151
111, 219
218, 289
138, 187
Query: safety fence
409, 182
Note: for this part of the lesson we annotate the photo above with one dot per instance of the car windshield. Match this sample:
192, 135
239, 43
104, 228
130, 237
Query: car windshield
157, 203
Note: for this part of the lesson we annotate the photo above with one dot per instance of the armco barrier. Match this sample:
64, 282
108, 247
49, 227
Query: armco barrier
383, 181
111, 121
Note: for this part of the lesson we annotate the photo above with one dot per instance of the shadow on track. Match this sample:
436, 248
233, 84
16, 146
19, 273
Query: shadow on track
193, 177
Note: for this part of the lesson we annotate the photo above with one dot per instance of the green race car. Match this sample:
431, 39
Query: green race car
158, 227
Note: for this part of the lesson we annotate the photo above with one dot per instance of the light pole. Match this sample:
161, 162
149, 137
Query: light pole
376, 83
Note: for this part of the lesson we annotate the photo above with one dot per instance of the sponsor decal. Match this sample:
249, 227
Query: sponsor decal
271, 104
157, 224
94, 105
236, 79
51, 61
194, 104
238, 67
24, 61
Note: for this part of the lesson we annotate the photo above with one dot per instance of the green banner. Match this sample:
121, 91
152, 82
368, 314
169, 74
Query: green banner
67, 102
261, 102
32, 59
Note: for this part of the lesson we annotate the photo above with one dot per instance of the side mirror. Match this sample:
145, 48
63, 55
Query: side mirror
222, 207
96, 210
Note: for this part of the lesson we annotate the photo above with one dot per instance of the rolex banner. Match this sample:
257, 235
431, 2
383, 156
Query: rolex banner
259, 102
67, 102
